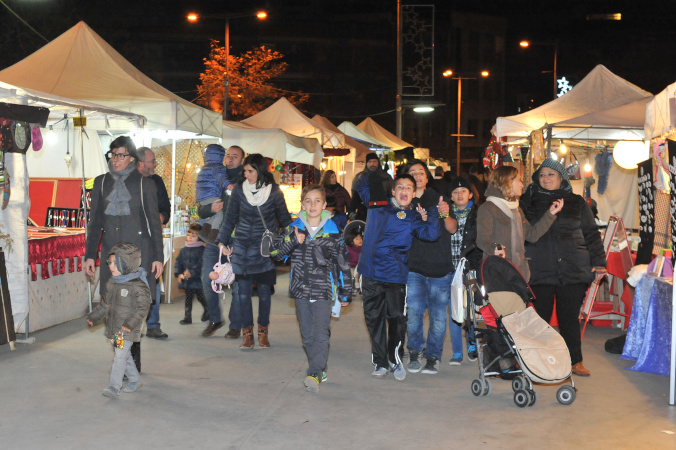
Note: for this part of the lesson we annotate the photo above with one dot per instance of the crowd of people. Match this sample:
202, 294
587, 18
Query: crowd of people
397, 243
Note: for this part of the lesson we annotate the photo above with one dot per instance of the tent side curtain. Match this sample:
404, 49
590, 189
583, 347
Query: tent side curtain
660, 116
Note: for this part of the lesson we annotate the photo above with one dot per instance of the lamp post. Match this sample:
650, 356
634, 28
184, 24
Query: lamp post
194, 17
555, 44
449, 73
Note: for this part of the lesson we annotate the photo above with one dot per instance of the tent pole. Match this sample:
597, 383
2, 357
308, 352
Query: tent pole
84, 201
167, 284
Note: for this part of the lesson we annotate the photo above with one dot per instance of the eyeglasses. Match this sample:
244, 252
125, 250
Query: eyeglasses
112, 155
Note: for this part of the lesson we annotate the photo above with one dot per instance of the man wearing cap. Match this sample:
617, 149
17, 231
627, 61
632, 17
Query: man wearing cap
382, 185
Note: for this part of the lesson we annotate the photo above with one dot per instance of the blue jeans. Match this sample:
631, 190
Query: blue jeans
234, 315
153, 320
246, 308
209, 258
432, 295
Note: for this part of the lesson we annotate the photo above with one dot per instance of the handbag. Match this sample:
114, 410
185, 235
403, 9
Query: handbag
268, 238
458, 303
572, 166
225, 275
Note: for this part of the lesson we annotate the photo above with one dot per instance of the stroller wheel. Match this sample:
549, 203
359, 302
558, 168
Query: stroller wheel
487, 387
521, 398
533, 397
477, 387
565, 395
518, 383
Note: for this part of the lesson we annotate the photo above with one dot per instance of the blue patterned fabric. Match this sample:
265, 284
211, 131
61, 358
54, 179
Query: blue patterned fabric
639, 311
654, 354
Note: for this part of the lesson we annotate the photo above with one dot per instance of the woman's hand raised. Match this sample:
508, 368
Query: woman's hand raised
557, 205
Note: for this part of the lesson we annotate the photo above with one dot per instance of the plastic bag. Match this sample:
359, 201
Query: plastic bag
458, 303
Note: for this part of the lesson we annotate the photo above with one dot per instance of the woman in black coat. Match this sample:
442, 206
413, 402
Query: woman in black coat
254, 195
566, 258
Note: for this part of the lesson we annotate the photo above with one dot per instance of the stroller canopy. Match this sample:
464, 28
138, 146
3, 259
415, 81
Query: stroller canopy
499, 275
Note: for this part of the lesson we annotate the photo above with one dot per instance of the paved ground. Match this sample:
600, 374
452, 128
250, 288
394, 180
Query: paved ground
205, 393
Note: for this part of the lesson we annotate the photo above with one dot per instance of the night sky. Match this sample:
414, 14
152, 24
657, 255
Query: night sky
343, 52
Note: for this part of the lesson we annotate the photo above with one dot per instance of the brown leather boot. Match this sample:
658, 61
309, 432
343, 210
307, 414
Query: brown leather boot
248, 341
580, 370
263, 337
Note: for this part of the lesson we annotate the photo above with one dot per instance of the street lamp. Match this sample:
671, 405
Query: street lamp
194, 17
449, 73
555, 44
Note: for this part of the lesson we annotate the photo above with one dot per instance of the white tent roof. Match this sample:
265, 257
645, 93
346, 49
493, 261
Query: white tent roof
382, 135
273, 143
601, 106
660, 116
80, 65
283, 115
353, 132
360, 150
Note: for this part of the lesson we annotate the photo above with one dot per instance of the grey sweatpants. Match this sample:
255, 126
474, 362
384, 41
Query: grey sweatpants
314, 319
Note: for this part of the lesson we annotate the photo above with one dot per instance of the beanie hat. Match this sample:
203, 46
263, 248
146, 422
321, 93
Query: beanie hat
371, 156
459, 182
554, 165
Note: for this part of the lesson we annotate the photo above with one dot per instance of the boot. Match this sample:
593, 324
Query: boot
187, 318
263, 337
248, 341
203, 302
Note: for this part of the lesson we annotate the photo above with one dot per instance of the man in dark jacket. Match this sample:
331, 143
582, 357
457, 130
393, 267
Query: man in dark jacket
234, 156
146, 166
357, 207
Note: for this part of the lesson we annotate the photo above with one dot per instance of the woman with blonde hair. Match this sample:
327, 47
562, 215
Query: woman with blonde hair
502, 227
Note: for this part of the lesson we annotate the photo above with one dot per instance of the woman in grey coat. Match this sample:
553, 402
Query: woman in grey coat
124, 209
256, 204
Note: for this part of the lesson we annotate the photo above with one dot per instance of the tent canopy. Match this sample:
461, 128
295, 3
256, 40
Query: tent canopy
660, 114
273, 143
371, 128
601, 106
360, 150
80, 65
283, 115
355, 133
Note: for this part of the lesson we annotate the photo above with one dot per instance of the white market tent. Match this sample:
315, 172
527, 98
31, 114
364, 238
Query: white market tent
283, 115
273, 143
371, 128
80, 65
601, 106
660, 115
354, 133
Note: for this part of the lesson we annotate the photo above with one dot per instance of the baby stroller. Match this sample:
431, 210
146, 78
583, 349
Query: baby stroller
515, 343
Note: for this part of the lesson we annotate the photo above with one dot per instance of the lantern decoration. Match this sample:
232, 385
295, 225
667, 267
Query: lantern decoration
278, 167
627, 154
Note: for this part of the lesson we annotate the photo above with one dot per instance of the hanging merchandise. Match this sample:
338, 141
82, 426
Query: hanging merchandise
572, 166
661, 169
537, 145
672, 205
604, 161
36, 137
6, 140
21, 132
6, 188
646, 204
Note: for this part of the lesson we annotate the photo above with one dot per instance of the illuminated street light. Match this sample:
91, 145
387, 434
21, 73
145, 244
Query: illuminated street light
194, 17
423, 109
484, 73
447, 73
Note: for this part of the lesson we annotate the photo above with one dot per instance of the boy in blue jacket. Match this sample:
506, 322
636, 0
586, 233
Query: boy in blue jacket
383, 264
320, 277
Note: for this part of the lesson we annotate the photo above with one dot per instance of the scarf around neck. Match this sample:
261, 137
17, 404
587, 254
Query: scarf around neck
517, 250
118, 199
194, 244
462, 213
140, 273
256, 196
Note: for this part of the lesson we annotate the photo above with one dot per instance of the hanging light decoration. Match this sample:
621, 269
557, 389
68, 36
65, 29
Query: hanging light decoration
562, 148
627, 154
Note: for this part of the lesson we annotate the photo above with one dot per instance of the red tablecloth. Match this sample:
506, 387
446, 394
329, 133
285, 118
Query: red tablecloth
56, 249
616, 268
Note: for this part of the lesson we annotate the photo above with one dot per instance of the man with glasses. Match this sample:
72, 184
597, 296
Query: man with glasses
233, 162
146, 166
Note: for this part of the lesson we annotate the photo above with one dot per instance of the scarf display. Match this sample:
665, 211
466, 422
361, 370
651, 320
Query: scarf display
256, 196
140, 273
511, 210
118, 199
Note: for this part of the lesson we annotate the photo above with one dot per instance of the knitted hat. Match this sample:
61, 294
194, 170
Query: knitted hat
371, 156
459, 182
554, 165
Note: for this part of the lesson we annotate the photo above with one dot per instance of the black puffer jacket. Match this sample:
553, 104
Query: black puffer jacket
245, 220
190, 259
569, 250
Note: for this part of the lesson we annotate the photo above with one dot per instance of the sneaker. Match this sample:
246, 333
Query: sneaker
111, 392
413, 363
472, 354
399, 372
132, 386
156, 333
456, 360
431, 366
380, 372
232, 334
211, 328
311, 383
325, 377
